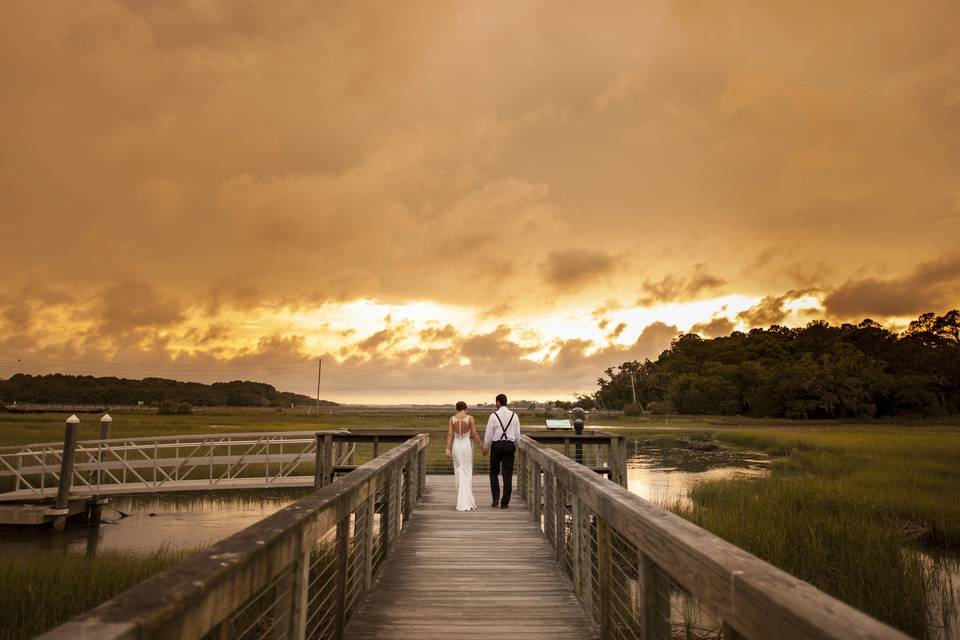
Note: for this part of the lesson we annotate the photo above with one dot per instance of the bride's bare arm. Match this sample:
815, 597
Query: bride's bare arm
449, 435
474, 434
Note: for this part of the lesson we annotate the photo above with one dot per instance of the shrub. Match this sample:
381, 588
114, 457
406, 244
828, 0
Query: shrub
167, 407
633, 409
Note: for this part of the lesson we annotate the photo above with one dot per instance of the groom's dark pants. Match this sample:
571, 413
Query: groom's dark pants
501, 457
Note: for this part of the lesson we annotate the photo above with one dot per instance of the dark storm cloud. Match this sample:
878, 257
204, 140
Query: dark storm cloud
129, 306
771, 309
677, 287
932, 286
569, 270
715, 328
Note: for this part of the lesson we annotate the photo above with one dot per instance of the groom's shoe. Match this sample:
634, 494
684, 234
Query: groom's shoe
504, 506
495, 505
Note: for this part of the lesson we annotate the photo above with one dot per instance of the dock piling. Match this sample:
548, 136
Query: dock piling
62, 507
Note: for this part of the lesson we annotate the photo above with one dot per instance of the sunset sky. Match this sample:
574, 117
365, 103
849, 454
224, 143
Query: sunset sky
446, 200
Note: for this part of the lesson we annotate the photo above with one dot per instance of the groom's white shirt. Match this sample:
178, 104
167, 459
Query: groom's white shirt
494, 432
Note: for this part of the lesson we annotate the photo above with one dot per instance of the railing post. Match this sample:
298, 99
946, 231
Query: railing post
575, 553
654, 598
221, 631
105, 422
408, 472
368, 540
559, 511
413, 478
66, 473
603, 575
318, 462
326, 462
613, 459
301, 588
537, 490
340, 612
423, 474
518, 466
586, 563
386, 530
622, 461
395, 509
290, 592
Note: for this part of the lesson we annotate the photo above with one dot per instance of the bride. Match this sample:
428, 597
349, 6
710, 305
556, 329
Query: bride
460, 430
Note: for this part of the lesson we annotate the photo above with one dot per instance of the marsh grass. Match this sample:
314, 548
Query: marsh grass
842, 509
43, 589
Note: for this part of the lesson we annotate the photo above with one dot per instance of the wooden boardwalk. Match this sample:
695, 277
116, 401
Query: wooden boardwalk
409, 566
481, 574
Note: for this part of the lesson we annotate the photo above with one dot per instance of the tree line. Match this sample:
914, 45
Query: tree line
109, 391
817, 371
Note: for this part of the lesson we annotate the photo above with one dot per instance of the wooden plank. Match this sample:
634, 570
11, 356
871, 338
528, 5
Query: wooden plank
477, 574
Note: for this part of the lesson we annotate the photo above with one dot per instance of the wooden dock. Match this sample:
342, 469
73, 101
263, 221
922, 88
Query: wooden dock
478, 574
34, 514
382, 553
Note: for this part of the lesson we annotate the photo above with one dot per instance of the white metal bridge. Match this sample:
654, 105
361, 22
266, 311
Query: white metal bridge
122, 466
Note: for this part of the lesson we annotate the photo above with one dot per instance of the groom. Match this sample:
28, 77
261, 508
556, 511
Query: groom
500, 439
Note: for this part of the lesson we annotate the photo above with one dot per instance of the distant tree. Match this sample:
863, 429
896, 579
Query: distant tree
167, 407
585, 402
109, 391
816, 371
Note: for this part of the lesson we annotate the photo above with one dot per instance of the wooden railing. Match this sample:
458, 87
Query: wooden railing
642, 572
300, 573
604, 453
337, 451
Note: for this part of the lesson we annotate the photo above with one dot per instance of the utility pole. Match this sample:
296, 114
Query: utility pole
319, 371
633, 388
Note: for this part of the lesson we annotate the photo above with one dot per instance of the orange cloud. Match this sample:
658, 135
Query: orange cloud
181, 179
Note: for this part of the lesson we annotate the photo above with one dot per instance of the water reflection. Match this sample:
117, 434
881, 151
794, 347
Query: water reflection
663, 469
148, 522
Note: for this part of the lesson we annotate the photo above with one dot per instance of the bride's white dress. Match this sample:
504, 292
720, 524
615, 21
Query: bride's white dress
462, 454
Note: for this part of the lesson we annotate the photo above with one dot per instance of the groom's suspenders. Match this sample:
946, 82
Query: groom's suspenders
503, 436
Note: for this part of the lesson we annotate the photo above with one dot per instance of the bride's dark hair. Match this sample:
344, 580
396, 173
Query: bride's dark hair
461, 406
